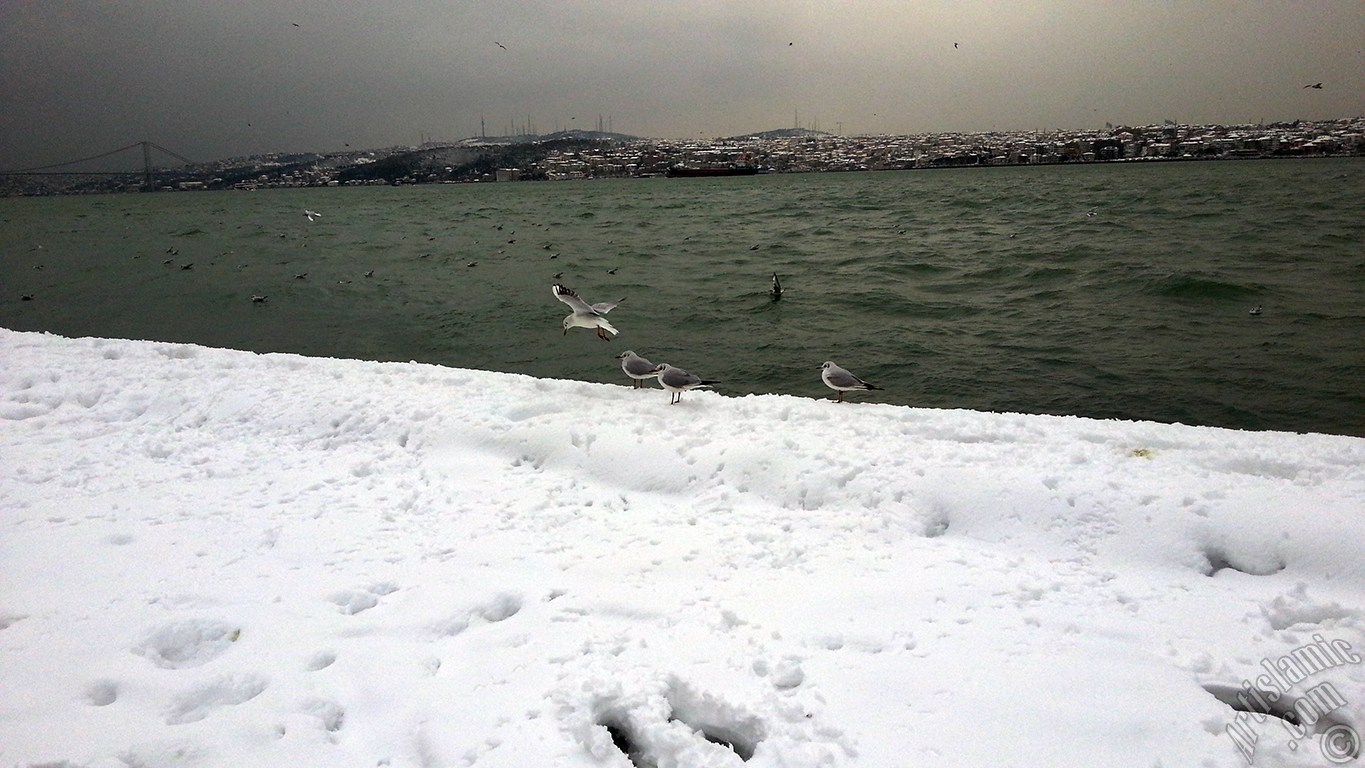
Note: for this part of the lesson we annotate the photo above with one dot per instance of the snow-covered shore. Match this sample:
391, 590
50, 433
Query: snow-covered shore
217, 558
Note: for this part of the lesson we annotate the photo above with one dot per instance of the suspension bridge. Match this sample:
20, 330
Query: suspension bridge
148, 170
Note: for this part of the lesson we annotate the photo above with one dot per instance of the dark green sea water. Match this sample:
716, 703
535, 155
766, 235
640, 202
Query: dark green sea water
988, 289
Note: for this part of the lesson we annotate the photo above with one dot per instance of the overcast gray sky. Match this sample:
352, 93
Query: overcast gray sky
212, 79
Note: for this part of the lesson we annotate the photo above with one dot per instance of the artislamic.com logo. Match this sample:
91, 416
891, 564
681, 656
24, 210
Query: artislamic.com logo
1310, 713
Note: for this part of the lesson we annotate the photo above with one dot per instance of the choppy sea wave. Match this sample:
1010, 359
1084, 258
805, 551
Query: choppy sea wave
1111, 291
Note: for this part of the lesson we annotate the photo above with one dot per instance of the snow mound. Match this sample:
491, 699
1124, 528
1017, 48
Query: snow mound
215, 558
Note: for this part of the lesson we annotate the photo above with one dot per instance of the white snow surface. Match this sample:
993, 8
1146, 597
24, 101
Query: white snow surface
219, 558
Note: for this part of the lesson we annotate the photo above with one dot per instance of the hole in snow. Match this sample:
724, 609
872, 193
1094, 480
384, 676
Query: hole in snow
652, 733
1314, 712
1253, 701
716, 720
501, 608
1220, 560
622, 739
102, 693
725, 737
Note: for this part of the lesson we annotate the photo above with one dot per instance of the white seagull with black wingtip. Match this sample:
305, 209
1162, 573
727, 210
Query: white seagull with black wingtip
585, 315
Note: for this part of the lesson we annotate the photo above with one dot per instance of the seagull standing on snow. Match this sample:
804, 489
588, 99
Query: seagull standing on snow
637, 368
842, 381
678, 381
585, 315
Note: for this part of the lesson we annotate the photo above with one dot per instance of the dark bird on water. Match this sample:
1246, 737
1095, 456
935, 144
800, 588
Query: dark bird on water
1314, 85
776, 291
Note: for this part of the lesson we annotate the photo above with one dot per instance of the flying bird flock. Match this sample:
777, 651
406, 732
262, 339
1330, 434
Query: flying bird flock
673, 379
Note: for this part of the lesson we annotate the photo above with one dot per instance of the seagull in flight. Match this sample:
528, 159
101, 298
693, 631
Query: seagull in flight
1314, 85
776, 291
312, 215
500, 45
841, 381
585, 315
954, 45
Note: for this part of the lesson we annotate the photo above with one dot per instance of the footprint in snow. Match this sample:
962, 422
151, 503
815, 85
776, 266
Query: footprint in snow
691, 728
188, 643
101, 693
202, 700
500, 608
353, 601
321, 660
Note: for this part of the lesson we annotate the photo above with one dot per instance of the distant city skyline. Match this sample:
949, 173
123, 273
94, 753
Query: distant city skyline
215, 80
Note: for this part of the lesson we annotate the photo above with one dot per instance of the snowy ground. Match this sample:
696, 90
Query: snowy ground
215, 558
